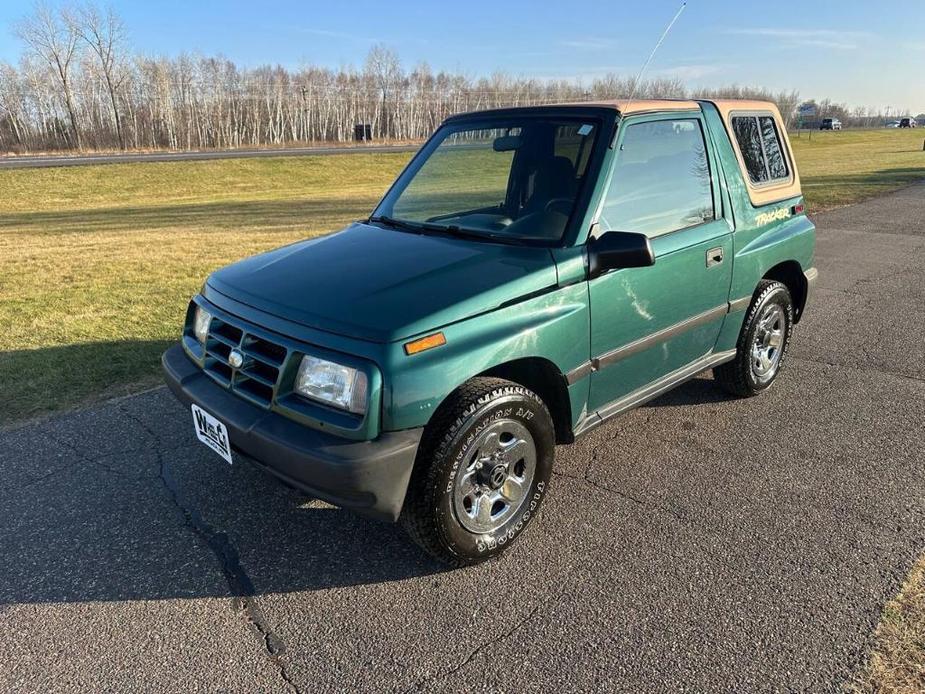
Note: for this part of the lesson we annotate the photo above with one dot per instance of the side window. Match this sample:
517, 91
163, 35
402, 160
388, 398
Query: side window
760, 145
661, 180
777, 164
749, 139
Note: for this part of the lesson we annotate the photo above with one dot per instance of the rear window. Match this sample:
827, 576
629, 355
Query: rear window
760, 144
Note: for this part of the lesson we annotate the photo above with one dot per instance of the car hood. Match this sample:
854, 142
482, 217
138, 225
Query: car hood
383, 285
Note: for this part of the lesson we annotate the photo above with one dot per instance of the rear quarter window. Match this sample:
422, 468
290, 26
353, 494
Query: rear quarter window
759, 142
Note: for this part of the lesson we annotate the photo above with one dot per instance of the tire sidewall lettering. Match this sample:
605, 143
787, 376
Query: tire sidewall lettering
780, 298
525, 413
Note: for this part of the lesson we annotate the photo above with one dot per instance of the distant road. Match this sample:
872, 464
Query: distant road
41, 161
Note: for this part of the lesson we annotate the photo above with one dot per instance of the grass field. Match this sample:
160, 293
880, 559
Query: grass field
839, 168
97, 263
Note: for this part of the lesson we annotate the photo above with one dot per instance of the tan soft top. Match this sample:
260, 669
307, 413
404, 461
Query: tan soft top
767, 193
763, 194
630, 106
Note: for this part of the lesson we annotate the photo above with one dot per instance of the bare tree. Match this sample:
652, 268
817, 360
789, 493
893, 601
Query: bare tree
384, 69
13, 105
54, 41
105, 34
60, 97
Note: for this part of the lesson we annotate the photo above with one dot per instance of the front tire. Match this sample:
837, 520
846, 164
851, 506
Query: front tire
482, 471
762, 344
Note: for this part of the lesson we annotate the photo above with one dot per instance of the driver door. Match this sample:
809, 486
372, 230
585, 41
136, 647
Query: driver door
648, 322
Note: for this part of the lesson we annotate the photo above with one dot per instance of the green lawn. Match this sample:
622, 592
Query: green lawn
839, 168
97, 263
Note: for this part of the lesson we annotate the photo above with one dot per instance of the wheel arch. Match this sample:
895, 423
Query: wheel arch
545, 379
790, 274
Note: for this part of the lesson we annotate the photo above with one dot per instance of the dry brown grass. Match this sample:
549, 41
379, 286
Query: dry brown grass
897, 662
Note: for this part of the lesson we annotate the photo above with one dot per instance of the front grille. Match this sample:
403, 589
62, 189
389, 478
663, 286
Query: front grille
257, 377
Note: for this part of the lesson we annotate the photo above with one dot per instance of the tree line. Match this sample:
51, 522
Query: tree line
79, 86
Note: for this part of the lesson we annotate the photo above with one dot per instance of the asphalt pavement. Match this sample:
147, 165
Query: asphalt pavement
699, 543
38, 161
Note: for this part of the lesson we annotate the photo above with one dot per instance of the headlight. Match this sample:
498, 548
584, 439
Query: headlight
201, 324
334, 384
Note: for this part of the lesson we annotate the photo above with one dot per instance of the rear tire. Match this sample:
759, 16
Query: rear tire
481, 473
762, 344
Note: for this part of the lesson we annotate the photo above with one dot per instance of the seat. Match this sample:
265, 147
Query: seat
553, 179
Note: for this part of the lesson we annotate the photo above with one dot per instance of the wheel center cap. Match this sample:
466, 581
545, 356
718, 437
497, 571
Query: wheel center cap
497, 476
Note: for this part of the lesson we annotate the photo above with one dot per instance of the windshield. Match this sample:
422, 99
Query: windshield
513, 180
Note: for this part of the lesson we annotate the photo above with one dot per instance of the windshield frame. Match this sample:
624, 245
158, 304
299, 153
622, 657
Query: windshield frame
602, 119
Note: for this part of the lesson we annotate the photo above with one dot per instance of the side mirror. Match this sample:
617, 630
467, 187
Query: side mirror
616, 250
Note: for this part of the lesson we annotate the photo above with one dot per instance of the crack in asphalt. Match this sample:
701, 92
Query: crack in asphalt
835, 365
585, 478
239, 582
421, 683
481, 647
36, 480
95, 462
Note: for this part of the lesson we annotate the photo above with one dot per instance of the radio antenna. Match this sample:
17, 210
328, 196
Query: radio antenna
657, 46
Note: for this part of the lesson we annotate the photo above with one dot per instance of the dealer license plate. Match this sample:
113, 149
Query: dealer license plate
212, 432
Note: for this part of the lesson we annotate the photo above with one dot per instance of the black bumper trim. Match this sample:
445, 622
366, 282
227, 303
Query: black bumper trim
370, 477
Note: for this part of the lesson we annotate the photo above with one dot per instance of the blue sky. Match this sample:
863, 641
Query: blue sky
855, 51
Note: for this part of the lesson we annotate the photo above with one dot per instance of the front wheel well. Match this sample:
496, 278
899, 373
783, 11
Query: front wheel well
790, 274
543, 378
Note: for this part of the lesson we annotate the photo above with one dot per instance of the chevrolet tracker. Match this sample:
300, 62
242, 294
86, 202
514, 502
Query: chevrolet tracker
532, 273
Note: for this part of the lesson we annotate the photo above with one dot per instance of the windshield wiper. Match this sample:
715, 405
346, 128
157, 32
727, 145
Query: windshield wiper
470, 233
397, 223
453, 230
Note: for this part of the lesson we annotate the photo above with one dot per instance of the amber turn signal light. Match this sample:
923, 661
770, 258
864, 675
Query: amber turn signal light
425, 343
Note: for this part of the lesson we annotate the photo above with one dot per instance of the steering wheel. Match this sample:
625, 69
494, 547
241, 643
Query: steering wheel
557, 201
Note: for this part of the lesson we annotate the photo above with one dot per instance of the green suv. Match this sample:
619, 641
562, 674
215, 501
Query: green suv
532, 273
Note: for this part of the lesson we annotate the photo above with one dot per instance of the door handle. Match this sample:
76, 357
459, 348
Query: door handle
714, 256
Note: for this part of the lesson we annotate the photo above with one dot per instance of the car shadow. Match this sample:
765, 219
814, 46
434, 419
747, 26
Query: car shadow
119, 501
702, 390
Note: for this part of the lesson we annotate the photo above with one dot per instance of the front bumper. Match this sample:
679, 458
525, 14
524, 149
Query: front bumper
370, 477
